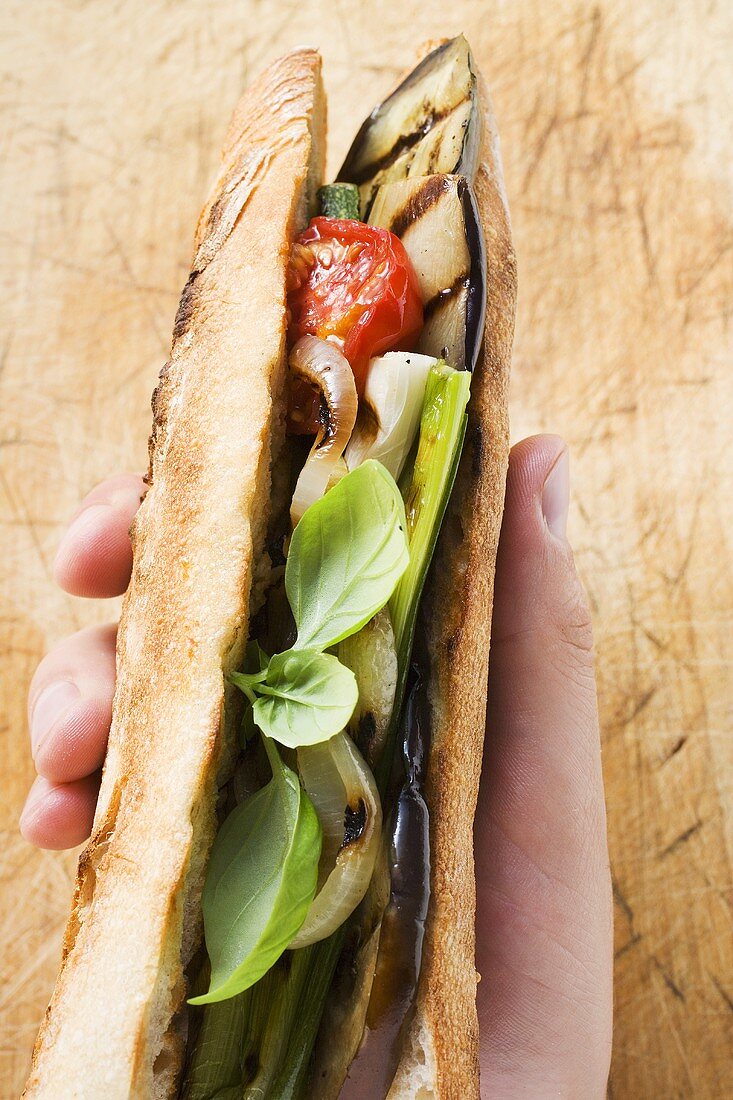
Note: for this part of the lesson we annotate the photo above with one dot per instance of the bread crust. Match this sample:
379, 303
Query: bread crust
440, 1057
197, 545
115, 1026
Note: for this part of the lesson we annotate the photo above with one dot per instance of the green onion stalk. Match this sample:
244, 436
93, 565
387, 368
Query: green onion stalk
216, 1063
426, 489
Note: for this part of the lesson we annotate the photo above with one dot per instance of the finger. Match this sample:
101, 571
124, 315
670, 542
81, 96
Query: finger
70, 705
94, 557
543, 885
60, 815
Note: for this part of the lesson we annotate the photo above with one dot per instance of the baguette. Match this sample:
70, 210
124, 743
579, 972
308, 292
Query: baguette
117, 1022
114, 1027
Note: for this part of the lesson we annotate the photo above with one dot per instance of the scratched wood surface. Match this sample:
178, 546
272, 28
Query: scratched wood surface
617, 122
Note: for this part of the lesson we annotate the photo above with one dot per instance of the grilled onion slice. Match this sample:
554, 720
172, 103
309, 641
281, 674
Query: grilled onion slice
431, 123
437, 220
343, 791
324, 366
390, 409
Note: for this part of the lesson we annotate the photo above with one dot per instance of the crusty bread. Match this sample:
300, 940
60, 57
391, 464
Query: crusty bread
440, 1059
114, 1027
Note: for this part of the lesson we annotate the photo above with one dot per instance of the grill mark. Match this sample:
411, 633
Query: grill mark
326, 421
461, 282
420, 202
354, 823
436, 151
348, 172
402, 145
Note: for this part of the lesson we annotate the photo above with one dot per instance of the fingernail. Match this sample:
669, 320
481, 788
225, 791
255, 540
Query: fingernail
51, 704
556, 496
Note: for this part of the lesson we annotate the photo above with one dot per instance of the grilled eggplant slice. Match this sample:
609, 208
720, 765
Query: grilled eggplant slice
430, 124
437, 220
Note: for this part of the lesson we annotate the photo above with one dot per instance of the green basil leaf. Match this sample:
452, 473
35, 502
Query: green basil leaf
255, 658
260, 881
346, 556
308, 697
247, 682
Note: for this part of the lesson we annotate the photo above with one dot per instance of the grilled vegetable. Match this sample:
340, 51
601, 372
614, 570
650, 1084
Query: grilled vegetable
215, 1061
353, 284
426, 493
386, 977
344, 793
339, 200
431, 123
397, 964
427, 487
344, 1017
274, 1005
389, 414
437, 221
320, 364
372, 657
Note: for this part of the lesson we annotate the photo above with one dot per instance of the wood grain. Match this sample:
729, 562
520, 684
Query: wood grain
617, 124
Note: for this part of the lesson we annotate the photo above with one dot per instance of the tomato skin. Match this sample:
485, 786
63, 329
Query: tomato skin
354, 284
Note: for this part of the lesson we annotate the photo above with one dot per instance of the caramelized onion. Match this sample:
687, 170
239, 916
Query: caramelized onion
323, 365
345, 796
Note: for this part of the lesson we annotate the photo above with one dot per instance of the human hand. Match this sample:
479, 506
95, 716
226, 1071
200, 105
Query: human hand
543, 887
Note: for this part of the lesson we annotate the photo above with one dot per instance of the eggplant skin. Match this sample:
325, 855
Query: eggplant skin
430, 124
476, 298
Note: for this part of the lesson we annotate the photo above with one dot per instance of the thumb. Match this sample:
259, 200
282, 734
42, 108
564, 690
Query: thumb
543, 888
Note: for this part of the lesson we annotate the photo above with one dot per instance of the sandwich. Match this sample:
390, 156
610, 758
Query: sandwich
277, 899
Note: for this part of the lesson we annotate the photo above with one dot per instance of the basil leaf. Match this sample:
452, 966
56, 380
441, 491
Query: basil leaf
346, 556
308, 697
260, 881
247, 682
255, 658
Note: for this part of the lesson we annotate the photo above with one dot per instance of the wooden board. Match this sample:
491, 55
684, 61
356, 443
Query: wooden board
617, 123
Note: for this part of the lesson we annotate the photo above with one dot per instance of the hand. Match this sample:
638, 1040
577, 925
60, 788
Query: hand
543, 886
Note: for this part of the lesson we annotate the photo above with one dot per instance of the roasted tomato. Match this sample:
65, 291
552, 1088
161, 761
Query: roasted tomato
353, 284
